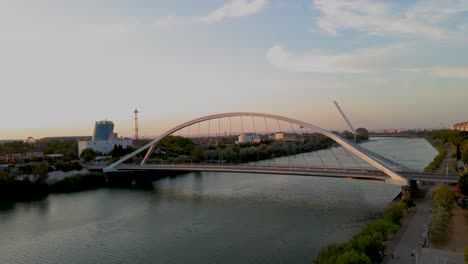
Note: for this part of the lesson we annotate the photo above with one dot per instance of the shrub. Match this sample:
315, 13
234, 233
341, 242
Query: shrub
328, 255
371, 245
408, 201
381, 226
353, 257
443, 197
395, 213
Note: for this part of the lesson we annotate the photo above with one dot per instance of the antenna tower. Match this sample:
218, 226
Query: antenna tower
136, 126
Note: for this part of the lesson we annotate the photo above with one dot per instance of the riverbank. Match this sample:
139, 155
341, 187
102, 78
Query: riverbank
26, 190
370, 244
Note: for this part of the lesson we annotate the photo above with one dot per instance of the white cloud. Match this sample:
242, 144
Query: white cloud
230, 9
459, 72
359, 61
367, 60
426, 19
234, 9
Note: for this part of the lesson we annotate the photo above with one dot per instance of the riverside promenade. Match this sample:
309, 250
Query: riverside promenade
411, 238
411, 233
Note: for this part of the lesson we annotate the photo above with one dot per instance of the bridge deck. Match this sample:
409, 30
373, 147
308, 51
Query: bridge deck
296, 170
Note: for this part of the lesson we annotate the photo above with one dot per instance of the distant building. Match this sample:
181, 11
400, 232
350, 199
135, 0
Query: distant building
104, 139
103, 130
463, 126
103, 146
288, 137
248, 138
279, 136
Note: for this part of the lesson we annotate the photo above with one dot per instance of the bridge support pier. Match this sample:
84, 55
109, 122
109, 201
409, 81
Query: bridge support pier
414, 190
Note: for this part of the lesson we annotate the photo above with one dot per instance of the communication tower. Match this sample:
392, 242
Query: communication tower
136, 125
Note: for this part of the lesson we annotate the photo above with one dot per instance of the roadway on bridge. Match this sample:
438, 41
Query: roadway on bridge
292, 170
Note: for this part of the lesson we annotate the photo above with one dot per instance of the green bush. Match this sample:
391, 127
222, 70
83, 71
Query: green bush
380, 226
408, 201
328, 255
395, 213
370, 244
435, 164
366, 247
353, 257
443, 197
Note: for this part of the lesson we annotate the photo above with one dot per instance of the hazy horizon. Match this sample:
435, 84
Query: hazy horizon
389, 64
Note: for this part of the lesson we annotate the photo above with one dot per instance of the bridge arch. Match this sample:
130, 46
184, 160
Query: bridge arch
394, 177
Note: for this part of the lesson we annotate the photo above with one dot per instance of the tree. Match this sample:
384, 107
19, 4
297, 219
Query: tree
362, 131
443, 197
88, 154
40, 171
363, 134
347, 134
197, 154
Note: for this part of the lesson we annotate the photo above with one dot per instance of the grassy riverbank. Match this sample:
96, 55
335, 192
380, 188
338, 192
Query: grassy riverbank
438, 160
368, 246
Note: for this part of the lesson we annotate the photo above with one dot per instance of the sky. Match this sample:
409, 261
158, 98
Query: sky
65, 64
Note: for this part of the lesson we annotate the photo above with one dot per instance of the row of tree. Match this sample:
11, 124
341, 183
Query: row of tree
180, 149
67, 147
459, 139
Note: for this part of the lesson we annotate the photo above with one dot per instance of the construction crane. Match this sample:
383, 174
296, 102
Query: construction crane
346, 119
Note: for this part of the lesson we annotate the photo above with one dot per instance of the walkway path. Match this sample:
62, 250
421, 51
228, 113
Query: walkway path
415, 226
409, 240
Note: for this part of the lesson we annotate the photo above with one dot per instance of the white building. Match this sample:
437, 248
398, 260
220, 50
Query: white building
248, 138
463, 126
103, 146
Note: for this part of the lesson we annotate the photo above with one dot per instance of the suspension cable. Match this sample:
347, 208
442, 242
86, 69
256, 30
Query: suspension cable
337, 159
317, 151
351, 156
268, 132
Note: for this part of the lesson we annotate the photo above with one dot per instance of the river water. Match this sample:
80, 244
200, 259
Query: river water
204, 217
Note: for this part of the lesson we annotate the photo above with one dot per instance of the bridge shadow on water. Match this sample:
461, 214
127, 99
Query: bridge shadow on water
140, 180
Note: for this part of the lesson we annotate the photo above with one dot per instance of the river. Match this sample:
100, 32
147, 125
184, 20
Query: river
204, 217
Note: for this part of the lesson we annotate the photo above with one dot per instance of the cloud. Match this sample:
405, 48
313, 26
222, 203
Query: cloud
429, 19
367, 60
359, 61
230, 9
234, 9
459, 72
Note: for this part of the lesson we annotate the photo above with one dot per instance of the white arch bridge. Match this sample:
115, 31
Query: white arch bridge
385, 169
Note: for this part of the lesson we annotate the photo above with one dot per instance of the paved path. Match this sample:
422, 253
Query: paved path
409, 240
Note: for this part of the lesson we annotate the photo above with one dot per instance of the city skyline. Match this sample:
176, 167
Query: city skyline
67, 64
